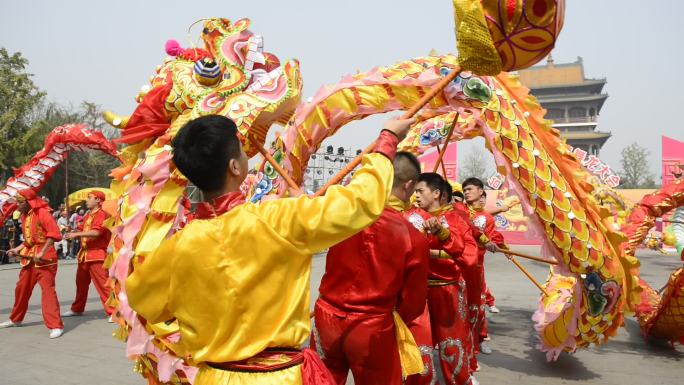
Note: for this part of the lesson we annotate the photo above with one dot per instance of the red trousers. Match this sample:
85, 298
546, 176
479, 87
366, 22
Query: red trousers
29, 276
447, 329
485, 299
364, 343
85, 272
488, 297
422, 333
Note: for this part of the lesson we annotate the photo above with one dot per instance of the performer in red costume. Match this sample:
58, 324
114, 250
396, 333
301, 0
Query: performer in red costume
488, 296
484, 231
39, 262
445, 323
367, 277
94, 242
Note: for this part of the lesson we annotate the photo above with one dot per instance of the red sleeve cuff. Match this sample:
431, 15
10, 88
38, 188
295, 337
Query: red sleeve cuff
386, 144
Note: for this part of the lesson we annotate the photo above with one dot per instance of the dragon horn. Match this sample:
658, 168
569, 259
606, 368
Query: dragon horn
115, 120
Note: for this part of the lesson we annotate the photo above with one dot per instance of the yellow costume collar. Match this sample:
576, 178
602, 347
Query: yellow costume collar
442, 209
397, 204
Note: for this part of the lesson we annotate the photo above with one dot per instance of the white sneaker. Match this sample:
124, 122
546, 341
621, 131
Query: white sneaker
474, 381
485, 349
56, 333
494, 309
9, 324
110, 319
477, 368
71, 313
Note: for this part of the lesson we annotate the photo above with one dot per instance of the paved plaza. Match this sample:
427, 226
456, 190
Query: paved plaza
88, 354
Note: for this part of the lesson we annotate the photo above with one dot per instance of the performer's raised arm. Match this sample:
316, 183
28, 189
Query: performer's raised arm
314, 224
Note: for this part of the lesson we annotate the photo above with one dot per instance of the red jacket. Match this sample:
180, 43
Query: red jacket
37, 226
459, 246
484, 230
94, 249
382, 268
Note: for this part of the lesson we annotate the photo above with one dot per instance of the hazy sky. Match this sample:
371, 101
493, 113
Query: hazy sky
105, 51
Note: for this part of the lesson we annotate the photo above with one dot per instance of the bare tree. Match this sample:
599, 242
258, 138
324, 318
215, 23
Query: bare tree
635, 168
473, 166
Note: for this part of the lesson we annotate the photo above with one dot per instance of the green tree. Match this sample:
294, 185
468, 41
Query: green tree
26, 119
19, 98
635, 168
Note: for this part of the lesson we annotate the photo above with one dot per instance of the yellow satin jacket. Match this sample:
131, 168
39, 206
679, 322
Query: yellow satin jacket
239, 283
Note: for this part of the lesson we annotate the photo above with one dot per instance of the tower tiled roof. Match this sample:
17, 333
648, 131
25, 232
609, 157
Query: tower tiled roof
555, 75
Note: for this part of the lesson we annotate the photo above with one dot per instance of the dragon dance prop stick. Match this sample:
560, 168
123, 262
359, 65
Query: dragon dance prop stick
66, 187
532, 257
524, 271
516, 263
439, 150
407, 115
443, 166
279, 169
444, 148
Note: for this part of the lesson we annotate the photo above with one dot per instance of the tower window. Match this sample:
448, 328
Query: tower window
578, 112
555, 113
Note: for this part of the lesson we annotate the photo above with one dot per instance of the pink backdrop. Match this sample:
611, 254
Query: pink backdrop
673, 159
427, 161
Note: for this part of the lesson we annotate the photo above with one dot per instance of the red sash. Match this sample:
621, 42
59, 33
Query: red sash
314, 371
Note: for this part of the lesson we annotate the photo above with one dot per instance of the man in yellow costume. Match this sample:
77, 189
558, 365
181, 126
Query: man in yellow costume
237, 277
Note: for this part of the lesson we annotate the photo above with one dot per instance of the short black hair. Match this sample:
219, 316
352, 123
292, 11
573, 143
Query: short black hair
434, 182
406, 168
474, 182
459, 195
202, 149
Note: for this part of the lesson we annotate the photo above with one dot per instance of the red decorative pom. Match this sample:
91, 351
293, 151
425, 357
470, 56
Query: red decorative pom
173, 48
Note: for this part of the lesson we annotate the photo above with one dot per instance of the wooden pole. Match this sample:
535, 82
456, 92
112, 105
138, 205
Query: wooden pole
527, 273
337, 178
66, 187
407, 115
444, 148
534, 281
532, 257
275, 164
439, 150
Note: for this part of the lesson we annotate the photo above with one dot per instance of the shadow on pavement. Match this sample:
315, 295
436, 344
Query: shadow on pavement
513, 325
638, 345
63, 305
72, 323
